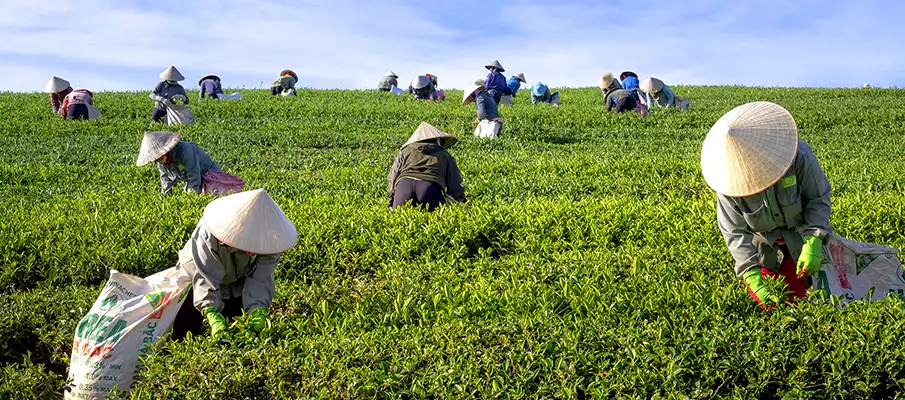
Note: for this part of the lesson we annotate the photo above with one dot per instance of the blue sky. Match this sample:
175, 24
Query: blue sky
125, 44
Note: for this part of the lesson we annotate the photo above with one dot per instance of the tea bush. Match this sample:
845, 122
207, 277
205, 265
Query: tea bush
588, 264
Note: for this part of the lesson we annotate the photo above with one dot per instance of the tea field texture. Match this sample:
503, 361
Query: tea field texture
588, 263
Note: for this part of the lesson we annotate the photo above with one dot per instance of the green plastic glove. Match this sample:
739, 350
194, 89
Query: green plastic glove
809, 260
755, 282
217, 322
258, 319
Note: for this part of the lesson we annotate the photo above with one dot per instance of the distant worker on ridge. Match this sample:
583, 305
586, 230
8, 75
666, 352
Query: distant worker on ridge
540, 93
513, 84
285, 84
388, 82
168, 90
210, 87
495, 82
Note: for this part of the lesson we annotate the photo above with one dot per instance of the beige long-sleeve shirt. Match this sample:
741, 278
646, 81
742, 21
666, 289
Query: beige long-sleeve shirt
222, 272
798, 205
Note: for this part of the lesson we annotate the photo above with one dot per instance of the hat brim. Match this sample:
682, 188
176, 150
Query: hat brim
147, 156
469, 96
215, 77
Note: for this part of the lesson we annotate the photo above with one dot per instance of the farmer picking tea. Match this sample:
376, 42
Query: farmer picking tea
495, 82
423, 172
285, 84
773, 199
185, 161
422, 87
210, 87
388, 82
58, 88
167, 91
439, 95
540, 93
231, 257
660, 95
488, 123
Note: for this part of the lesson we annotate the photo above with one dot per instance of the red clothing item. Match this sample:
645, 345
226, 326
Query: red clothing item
797, 285
56, 99
80, 96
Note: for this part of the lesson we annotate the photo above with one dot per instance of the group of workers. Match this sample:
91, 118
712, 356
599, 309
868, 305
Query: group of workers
773, 198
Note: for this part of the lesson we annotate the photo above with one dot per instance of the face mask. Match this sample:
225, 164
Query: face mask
171, 82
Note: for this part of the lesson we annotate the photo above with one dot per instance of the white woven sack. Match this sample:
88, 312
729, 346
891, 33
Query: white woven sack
93, 113
127, 319
179, 115
488, 128
854, 269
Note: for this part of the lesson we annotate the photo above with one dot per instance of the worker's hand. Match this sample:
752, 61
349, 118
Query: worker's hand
217, 322
258, 319
755, 281
475, 123
809, 260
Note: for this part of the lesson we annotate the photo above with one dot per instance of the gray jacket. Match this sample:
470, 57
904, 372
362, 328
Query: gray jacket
164, 91
222, 272
798, 205
194, 161
387, 83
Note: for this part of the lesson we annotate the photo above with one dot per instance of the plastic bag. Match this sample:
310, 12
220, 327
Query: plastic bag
682, 103
216, 183
396, 90
854, 269
179, 115
127, 318
506, 100
233, 96
488, 128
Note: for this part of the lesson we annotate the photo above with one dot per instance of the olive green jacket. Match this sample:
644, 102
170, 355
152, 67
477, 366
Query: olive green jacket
427, 162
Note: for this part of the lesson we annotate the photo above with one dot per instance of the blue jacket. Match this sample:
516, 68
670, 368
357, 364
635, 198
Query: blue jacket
513, 84
495, 80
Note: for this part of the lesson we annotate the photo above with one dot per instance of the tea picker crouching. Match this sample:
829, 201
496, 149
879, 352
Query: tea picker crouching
183, 161
488, 123
773, 198
168, 90
423, 172
231, 257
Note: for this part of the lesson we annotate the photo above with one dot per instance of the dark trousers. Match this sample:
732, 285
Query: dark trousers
275, 90
625, 104
419, 193
159, 114
77, 111
189, 319
496, 94
383, 90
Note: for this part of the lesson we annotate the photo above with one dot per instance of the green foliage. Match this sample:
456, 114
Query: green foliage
588, 265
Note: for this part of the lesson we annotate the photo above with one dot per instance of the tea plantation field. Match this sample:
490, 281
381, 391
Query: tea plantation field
587, 265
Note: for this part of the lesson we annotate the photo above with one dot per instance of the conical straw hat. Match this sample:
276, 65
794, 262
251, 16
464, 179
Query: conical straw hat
290, 72
749, 149
250, 221
420, 81
212, 76
392, 74
651, 85
478, 84
172, 74
495, 64
427, 131
606, 80
56, 85
154, 145
521, 77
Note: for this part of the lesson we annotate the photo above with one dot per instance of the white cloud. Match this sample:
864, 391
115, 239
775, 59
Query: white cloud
109, 44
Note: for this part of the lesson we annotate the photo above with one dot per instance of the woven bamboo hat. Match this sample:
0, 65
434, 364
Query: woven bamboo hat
420, 82
495, 64
172, 74
651, 85
606, 80
56, 85
427, 131
749, 149
521, 77
392, 74
250, 221
467, 94
154, 145
211, 76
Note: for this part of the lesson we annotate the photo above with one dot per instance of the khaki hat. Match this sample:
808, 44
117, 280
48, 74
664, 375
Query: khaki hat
392, 74
606, 80
172, 74
495, 64
212, 76
56, 85
290, 72
749, 149
478, 84
521, 77
250, 221
427, 131
154, 145
651, 85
